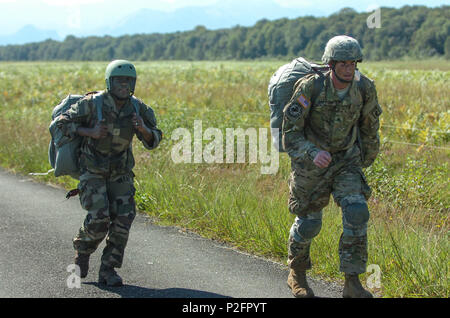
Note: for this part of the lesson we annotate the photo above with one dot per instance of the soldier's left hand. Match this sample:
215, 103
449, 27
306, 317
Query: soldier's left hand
322, 159
138, 122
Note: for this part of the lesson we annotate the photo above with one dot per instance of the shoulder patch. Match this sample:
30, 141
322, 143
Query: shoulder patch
294, 111
302, 100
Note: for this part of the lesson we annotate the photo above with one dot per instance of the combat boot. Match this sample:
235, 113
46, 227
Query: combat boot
298, 284
108, 276
82, 260
353, 288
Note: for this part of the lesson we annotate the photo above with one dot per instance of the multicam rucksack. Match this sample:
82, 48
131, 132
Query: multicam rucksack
281, 88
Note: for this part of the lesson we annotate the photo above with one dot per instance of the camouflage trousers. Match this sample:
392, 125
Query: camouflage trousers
111, 210
310, 191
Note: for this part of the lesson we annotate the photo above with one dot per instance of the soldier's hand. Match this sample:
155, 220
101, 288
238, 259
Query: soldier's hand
100, 130
322, 159
138, 123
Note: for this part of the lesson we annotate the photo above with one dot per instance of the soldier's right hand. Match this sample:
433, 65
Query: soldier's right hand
322, 159
100, 130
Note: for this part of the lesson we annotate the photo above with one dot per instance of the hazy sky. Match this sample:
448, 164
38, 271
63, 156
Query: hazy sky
61, 15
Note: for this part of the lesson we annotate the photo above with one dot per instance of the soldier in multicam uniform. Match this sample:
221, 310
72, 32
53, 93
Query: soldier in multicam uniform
106, 163
330, 134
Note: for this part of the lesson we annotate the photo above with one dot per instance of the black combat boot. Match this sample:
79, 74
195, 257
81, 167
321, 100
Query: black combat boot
82, 260
108, 276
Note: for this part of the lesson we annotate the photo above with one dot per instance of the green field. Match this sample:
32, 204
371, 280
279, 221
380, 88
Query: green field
234, 202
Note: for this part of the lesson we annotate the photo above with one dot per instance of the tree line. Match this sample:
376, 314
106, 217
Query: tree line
411, 31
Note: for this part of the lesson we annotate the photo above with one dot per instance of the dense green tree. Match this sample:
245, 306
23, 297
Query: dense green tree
411, 31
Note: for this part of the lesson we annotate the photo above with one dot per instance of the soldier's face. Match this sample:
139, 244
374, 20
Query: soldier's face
345, 69
121, 86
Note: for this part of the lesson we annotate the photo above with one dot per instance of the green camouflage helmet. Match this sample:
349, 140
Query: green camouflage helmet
120, 68
342, 48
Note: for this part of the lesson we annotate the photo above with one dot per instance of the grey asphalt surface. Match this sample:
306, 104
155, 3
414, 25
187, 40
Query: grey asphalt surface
36, 230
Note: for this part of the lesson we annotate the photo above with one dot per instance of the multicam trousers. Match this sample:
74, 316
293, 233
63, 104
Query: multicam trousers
111, 210
310, 190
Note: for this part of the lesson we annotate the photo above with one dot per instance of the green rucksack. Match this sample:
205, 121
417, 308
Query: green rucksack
63, 152
281, 88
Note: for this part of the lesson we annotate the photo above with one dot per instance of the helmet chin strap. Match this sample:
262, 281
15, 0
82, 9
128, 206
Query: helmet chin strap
340, 79
122, 99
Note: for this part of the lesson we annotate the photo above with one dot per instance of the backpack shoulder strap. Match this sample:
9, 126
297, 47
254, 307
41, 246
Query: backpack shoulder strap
98, 102
361, 86
135, 103
318, 85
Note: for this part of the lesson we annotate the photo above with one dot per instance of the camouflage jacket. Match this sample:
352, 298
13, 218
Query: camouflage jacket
110, 156
325, 122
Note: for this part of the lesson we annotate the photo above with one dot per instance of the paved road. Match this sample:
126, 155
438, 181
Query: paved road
36, 229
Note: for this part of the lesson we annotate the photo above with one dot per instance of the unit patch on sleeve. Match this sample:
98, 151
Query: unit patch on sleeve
294, 111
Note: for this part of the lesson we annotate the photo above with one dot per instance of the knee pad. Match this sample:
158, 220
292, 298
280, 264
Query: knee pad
355, 217
356, 214
306, 228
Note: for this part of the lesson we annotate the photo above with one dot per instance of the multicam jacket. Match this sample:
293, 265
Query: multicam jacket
110, 156
325, 122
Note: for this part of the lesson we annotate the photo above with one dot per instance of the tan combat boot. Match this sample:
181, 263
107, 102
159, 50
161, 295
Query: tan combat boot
353, 288
298, 284
82, 260
108, 276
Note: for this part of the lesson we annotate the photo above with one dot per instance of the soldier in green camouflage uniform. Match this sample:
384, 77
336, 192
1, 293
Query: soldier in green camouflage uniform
106, 163
330, 131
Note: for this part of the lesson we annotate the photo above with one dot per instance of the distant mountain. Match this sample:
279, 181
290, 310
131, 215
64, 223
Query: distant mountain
29, 34
222, 15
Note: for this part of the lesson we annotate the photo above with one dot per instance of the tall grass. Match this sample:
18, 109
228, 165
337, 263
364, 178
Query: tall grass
408, 231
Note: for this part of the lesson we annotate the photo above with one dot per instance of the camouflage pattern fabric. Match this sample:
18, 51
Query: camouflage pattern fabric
106, 181
110, 156
342, 48
331, 124
111, 210
304, 229
298, 254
